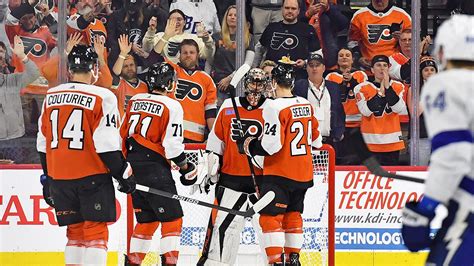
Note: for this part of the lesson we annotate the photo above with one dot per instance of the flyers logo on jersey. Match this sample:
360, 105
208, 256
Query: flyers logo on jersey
97, 33
186, 88
283, 40
173, 48
377, 32
34, 46
251, 128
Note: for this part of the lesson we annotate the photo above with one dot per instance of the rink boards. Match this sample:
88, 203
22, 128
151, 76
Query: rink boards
368, 211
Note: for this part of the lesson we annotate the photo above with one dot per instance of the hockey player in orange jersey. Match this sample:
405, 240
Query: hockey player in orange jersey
290, 131
80, 150
153, 136
235, 187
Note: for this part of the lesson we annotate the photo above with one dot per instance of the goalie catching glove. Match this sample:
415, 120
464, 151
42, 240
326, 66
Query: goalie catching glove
417, 217
188, 175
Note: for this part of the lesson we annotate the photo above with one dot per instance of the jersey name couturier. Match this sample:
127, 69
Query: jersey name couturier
71, 98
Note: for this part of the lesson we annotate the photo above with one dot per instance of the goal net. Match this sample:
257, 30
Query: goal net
318, 216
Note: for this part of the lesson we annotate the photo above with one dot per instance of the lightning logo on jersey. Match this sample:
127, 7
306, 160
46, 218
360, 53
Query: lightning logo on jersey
134, 35
251, 128
190, 89
34, 46
286, 40
376, 32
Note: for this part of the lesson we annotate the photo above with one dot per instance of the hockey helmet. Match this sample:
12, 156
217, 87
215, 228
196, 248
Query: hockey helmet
161, 77
284, 74
455, 39
82, 58
255, 84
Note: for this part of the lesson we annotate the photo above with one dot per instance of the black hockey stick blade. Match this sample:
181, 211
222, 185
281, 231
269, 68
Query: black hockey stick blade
261, 203
192, 201
369, 160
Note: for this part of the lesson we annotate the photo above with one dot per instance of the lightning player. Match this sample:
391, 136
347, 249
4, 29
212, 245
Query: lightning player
290, 130
80, 149
153, 135
449, 115
234, 183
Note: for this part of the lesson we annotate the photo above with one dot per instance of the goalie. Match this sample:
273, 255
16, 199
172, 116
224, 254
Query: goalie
153, 135
230, 170
447, 101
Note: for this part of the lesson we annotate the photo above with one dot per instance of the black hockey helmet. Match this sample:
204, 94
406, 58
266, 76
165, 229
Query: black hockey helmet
82, 58
161, 76
284, 74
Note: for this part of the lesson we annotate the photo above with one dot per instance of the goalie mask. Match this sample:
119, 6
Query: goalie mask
161, 77
255, 84
83, 58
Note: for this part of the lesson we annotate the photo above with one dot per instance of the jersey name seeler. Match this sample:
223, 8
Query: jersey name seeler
251, 128
301, 111
187, 88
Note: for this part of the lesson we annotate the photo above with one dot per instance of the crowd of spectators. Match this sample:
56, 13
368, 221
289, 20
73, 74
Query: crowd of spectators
361, 82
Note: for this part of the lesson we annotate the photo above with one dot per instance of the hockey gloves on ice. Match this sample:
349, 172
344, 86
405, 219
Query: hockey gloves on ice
188, 176
45, 181
126, 183
416, 224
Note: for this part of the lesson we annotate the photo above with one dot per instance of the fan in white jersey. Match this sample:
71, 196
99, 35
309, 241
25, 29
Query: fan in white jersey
199, 13
448, 105
153, 133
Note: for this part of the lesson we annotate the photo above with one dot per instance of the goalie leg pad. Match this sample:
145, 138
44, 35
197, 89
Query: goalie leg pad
169, 243
224, 242
141, 241
273, 236
293, 226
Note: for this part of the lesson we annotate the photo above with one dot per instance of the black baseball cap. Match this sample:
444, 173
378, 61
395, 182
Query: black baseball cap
315, 56
380, 58
428, 61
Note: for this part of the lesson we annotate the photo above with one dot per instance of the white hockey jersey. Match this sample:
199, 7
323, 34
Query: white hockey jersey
198, 11
448, 103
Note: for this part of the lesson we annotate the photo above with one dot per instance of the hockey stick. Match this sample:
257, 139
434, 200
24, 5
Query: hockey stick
238, 75
369, 160
259, 205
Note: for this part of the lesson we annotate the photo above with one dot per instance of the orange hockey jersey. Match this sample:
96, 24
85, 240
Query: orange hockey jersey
290, 131
225, 132
372, 30
381, 131
156, 122
197, 93
353, 115
124, 91
78, 122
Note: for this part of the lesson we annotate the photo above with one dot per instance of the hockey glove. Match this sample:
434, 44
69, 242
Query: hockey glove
244, 145
416, 223
45, 181
188, 176
208, 166
126, 183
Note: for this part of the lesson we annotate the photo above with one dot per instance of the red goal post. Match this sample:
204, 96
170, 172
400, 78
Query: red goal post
318, 216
